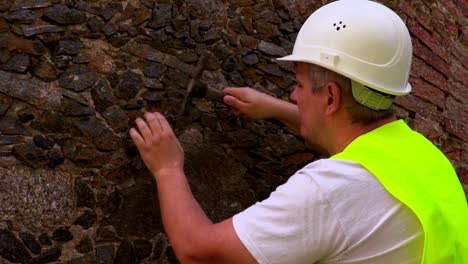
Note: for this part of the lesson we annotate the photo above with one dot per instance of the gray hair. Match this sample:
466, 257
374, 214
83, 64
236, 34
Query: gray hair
359, 113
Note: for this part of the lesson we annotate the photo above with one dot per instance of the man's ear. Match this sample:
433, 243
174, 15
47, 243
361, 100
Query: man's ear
335, 98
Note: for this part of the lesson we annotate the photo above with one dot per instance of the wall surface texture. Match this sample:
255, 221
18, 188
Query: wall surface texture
74, 75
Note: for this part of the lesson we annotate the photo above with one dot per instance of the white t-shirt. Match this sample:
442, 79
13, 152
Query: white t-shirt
331, 211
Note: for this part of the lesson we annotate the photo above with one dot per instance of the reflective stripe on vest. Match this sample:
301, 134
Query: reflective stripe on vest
418, 174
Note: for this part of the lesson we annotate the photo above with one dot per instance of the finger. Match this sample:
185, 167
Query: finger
142, 126
239, 92
136, 137
165, 126
153, 123
234, 102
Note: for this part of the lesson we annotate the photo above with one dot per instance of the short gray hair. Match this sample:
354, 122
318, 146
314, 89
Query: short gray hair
359, 113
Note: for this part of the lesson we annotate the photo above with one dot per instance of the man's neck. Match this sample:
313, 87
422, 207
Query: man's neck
347, 134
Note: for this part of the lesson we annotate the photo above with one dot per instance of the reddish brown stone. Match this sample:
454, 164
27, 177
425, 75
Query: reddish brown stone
417, 105
427, 91
429, 57
430, 129
460, 73
456, 128
458, 90
429, 74
13, 43
428, 39
456, 110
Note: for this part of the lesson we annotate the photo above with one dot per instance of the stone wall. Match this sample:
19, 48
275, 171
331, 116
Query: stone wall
75, 74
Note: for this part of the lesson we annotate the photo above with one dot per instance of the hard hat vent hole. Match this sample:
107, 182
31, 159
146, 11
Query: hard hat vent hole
339, 25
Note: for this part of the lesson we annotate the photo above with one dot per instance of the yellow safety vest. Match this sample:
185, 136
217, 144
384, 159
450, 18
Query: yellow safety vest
418, 174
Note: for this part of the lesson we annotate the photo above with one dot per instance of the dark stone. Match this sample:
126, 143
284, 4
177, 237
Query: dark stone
5, 5
12, 249
138, 204
119, 40
154, 70
94, 25
84, 195
230, 64
63, 15
55, 157
116, 118
126, 253
21, 16
45, 239
77, 78
162, 16
31, 242
18, 63
236, 25
267, 30
62, 234
32, 4
43, 142
102, 137
47, 256
250, 59
133, 104
86, 259
72, 107
85, 245
272, 69
83, 154
5, 104
103, 96
153, 96
143, 248
30, 154
268, 16
120, 173
236, 78
129, 85
271, 49
80, 60
29, 31
62, 61
51, 122
105, 254
11, 140
106, 13
70, 47
160, 246
25, 117
86, 220
209, 120
106, 234
284, 144
109, 30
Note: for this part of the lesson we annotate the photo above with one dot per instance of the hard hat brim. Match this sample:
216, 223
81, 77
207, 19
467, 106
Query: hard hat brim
293, 58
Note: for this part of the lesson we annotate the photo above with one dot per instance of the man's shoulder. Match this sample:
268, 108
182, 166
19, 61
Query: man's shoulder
345, 183
337, 173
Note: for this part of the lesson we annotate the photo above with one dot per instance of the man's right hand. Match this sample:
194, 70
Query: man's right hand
248, 102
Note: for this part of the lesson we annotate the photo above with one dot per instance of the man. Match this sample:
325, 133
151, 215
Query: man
385, 195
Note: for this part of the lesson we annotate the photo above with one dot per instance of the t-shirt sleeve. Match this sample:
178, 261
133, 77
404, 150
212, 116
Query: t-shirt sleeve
294, 225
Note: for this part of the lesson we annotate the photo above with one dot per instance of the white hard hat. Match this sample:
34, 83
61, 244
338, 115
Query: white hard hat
362, 40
